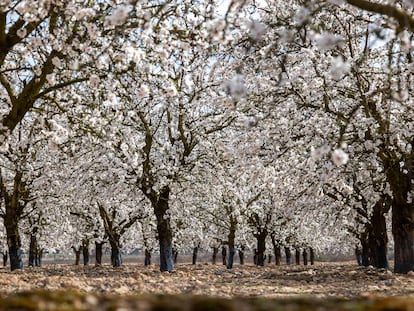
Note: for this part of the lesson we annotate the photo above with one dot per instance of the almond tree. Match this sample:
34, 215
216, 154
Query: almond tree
358, 68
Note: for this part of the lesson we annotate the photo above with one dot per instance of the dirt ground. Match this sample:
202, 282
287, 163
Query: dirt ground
340, 280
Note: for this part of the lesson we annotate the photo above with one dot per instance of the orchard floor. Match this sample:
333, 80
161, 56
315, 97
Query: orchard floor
323, 282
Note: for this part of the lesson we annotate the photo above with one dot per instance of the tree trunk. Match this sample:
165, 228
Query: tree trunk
288, 255
5, 256
147, 260
85, 251
232, 249
116, 258
215, 252
403, 232
378, 238
175, 256
98, 253
195, 253
241, 254
400, 178
164, 230
33, 249
39, 256
312, 256
261, 247
278, 255
305, 257
297, 256
276, 249
232, 252
77, 254
14, 244
365, 252
224, 255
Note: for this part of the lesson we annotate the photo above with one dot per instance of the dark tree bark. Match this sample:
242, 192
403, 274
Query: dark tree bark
11, 222
116, 258
232, 252
288, 255
241, 254
15, 251
269, 260
77, 254
232, 248
305, 257
365, 248
98, 253
215, 252
5, 256
161, 207
175, 256
147, 260
400, 178
276, 249
195, 253
297, 256
378, 239
261, 246
38, 258
224, 255
85, 251
33, 248
312, 256
278, 255
403, 232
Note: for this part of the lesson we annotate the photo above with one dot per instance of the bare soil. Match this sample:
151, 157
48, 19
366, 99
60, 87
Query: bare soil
340, 280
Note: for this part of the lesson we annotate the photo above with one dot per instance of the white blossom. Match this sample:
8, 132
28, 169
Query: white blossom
338, 68
119, 16
236, 87
256, 30
339, 157
143, 91
327, 41
302, 15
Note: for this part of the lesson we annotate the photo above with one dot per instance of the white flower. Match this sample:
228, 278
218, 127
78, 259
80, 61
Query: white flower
339, 157
143, 91
235, 87
22, 32
339, 68
56, 62
94, 80
327, 41
301, 16
171, 91
119, 16
257, 30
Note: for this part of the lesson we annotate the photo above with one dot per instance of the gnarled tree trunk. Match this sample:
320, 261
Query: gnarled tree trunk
241, 254
261, 246
232, 249
98, 253
77, 254
116, 258
147, 259
85, 251
164, 230
297, 256
288, 255
312, 256
305, 257
215, 252
33, 248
